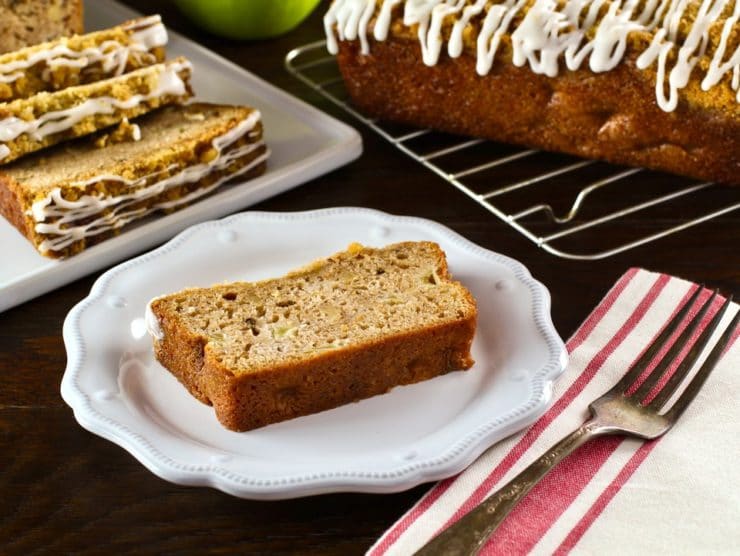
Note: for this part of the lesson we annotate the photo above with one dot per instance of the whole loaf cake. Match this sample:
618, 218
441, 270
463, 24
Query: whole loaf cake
651, 83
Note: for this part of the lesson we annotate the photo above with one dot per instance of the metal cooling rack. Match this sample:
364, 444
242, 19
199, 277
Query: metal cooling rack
584, 229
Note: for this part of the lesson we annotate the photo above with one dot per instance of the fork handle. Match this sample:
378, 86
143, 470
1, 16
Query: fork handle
470, 532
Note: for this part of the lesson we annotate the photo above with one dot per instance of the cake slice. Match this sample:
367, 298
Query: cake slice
30, 124
342, 329
80, 59
24, 22
74, 195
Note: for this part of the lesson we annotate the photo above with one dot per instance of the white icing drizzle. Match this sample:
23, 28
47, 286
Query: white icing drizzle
383, 22
144, 35
148, 32
351, 19
552, 30
169, 82
496, 23
135, 132
152, 323
10, 77
455, 45
4, 151
733, 63
63, 229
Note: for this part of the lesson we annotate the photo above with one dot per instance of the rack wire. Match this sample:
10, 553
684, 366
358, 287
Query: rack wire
598, 199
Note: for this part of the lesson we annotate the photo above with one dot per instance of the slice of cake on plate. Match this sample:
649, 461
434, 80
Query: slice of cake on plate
342, 329
73, 195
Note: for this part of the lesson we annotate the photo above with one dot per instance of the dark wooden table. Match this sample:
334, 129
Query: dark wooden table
64, 490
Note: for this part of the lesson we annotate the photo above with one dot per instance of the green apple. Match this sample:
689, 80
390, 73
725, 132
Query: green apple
247, 19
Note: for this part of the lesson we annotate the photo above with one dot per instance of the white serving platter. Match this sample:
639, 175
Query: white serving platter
305, 143
387, 443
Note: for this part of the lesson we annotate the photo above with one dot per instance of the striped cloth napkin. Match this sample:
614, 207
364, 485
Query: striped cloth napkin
679, 494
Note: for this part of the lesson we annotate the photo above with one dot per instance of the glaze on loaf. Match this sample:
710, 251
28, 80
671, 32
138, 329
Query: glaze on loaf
47, 118
651, 83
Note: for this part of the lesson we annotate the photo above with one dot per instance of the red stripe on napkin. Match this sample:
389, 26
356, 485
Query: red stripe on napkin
536, 513
422, 506
584, 331
716, 305
603, 501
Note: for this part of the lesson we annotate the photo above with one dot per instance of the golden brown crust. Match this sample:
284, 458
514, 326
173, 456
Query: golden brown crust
292, 387
251, 400
185, 360
10, 205
611, 116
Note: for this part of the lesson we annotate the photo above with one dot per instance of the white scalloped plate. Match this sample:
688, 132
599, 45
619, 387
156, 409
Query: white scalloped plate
388, 443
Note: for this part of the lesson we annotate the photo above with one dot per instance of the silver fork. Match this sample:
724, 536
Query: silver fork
625, 409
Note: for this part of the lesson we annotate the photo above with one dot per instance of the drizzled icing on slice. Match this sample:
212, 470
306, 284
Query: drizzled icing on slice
144, 35
546, 33
169, 82
65, 221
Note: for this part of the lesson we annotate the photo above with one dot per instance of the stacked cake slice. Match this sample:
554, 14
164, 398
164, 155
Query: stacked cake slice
94, 134
30, 124
85, 194
81, 59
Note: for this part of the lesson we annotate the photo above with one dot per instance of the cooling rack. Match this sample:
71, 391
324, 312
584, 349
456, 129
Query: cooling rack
516, 184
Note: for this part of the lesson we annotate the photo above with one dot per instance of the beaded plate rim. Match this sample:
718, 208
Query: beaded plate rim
224, 475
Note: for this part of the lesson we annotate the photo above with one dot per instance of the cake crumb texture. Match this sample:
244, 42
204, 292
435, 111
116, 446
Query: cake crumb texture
79, 59
27, 22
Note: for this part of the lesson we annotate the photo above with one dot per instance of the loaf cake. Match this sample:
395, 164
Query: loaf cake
342, 329
25, 22
81, 59
74, 195
27, 125
653, 84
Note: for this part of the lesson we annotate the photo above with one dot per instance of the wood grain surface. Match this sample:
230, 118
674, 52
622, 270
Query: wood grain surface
65, 490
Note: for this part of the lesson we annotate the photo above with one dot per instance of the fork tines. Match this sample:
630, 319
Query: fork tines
655, 389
